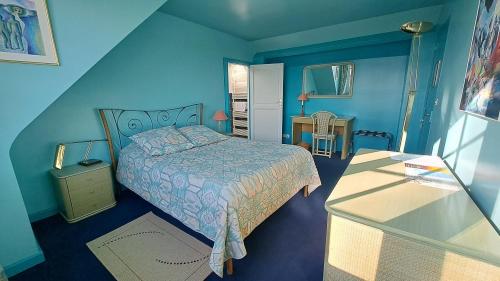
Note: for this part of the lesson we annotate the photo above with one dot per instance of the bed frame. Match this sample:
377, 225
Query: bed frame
120, 124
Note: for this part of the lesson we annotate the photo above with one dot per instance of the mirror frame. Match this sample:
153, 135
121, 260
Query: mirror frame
329, 96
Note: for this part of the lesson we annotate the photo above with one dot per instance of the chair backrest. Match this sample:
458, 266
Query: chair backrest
321, 121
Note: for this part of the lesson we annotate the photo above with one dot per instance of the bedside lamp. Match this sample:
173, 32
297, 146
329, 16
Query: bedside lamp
220, 116
302, 98
61, 148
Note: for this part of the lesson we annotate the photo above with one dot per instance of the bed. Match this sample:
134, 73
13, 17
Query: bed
222, 190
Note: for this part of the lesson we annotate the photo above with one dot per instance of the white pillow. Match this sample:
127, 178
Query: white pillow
200, 135
161, 141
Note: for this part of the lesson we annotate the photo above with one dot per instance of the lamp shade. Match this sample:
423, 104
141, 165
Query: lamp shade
302, 97
220, 116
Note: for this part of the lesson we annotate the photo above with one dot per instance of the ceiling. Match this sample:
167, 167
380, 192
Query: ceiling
258, 19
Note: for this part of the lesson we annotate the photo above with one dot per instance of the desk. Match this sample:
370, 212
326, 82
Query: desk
396, 216
343, 127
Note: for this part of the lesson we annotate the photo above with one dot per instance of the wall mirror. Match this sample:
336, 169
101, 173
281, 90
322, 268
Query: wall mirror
333, 80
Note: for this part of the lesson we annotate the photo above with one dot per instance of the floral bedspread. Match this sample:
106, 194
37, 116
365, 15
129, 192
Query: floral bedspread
222, 190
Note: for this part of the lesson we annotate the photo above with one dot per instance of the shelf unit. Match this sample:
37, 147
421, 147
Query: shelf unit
239, 119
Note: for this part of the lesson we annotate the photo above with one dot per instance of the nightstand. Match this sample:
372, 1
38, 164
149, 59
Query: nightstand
84, 191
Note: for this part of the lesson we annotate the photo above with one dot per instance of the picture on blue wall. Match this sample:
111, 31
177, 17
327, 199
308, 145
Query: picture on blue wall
25, 32
481, 93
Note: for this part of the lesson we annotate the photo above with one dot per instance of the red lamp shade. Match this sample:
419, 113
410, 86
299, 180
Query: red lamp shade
302, 97
220, 116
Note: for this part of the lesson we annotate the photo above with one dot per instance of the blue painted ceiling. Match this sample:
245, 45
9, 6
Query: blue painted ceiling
258, 19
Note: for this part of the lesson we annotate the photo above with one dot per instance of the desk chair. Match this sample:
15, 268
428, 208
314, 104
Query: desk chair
322, 131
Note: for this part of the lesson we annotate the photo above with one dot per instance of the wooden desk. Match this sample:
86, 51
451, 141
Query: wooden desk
343, 127
386, 224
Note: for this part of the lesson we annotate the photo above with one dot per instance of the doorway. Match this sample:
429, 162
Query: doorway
237, 89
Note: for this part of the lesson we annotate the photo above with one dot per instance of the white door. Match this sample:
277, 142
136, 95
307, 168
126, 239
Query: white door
266, 102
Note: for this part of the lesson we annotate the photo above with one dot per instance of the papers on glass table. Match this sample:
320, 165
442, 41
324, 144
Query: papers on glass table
428, 170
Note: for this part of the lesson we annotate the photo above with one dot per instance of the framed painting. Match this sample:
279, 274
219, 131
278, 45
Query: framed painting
25, 32
481, 92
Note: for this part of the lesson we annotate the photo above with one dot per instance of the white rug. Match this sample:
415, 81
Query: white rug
151, 249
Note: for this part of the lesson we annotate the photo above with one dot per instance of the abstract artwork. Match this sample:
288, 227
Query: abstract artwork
25, 32
481, 93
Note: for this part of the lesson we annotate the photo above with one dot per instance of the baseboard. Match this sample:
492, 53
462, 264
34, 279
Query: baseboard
40, 215
25, 263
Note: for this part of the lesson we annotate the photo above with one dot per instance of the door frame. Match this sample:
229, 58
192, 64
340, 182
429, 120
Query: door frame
227, 102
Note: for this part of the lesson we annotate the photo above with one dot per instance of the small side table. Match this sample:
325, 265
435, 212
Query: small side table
83, 191
305, 145
366, 133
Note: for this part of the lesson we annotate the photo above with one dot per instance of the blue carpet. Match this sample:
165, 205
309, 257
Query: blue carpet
289, 245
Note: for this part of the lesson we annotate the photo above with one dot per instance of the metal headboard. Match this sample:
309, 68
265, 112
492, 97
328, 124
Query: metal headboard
120, 124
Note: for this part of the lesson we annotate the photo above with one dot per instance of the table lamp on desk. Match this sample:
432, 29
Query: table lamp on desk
302, 98
220, 116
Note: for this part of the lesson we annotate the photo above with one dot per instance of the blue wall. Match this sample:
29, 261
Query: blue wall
375, 105
166, 62
28, 89
470, 144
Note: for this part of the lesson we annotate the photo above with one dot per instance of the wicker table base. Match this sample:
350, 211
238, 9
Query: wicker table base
356, 251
